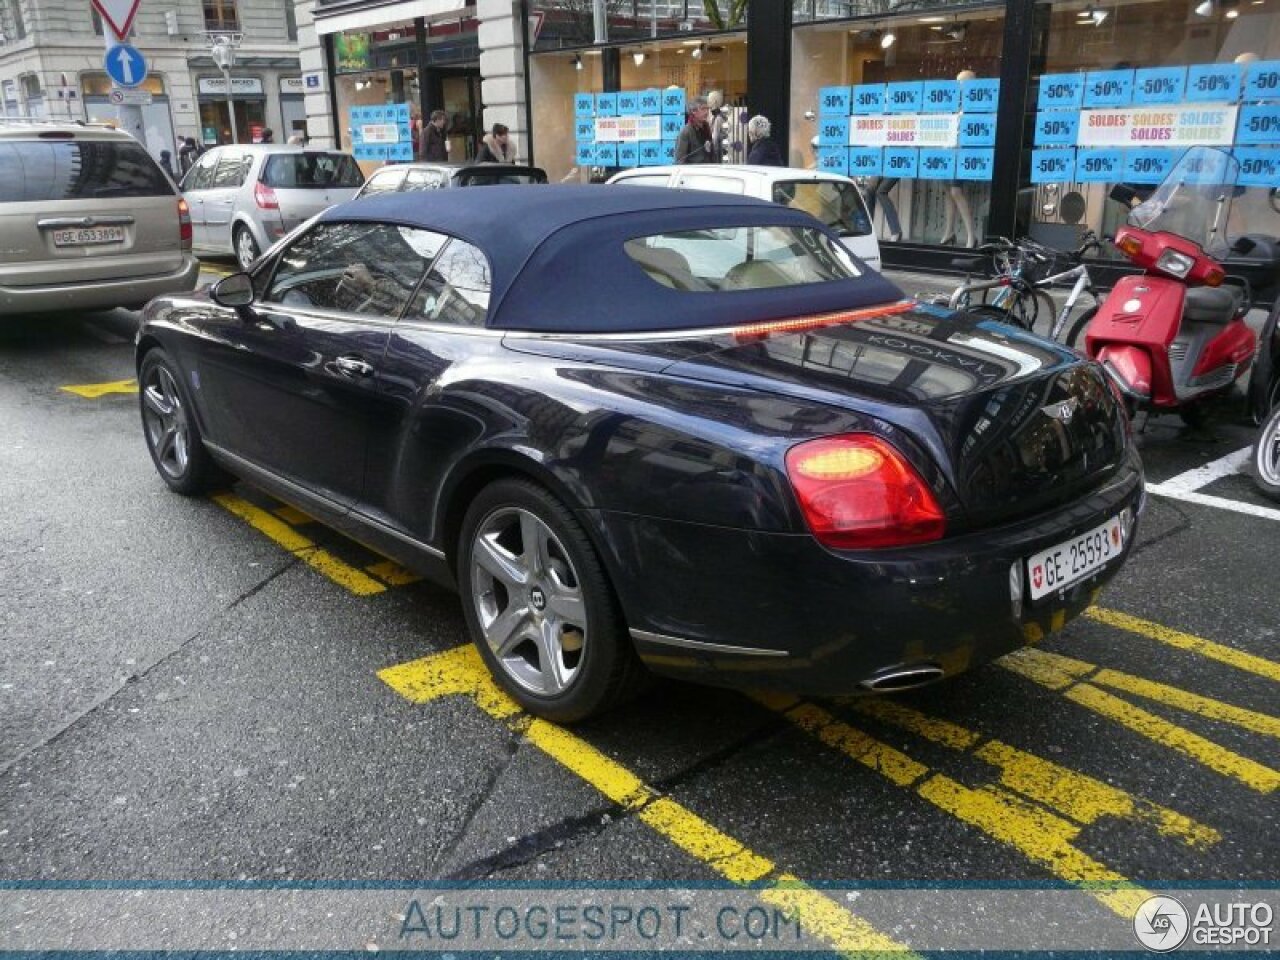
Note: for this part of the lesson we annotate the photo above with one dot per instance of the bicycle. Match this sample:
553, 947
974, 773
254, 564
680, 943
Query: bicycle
1023, 275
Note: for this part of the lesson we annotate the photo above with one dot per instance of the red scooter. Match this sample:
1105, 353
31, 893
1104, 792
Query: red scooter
1175, 335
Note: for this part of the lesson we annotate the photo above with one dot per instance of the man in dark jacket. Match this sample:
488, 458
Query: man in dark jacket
694, 143
764, 152
435, 146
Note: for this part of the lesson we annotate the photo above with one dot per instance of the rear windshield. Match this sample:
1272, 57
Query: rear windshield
741, 258
485, 178
835, 203
311, 171
44, 170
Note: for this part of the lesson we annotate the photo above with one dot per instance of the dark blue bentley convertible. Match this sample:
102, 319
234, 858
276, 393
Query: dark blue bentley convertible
639, 428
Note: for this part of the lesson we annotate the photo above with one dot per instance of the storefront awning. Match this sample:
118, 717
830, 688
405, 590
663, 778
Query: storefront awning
372, 16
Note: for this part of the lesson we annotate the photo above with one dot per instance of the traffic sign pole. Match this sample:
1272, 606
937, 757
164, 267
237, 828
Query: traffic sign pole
128, 116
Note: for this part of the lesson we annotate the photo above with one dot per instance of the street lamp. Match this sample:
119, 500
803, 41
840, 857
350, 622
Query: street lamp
224, 57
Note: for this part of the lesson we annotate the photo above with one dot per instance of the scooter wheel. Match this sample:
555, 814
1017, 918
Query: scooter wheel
1264, 463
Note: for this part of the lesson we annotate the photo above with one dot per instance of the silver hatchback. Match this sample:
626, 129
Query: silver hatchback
245, 197
88, 221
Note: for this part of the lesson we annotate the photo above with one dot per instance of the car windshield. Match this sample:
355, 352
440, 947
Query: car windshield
311, 171
42, 170
741, 258
835, 203
489, 178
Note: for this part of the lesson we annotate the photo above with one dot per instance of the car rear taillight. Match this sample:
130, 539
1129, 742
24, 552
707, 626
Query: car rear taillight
858, 492
265, 197
184, 223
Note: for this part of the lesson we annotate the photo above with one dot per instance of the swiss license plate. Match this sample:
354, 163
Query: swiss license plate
83, 236
1073, 560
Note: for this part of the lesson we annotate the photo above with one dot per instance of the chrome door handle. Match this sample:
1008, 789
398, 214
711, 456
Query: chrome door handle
353, 367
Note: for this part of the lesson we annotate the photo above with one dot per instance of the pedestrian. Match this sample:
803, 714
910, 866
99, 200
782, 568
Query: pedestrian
435, 145
719, 122
496, 147
268, 135
187, 154
166, 162
764, 151
694, 143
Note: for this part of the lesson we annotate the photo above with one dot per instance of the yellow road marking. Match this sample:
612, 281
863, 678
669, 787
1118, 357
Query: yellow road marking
292, 516
1058, 672
315, 557
393, 573
92, 391
1068, 677
1074, 795
1186, 641
1041, 836
461, 672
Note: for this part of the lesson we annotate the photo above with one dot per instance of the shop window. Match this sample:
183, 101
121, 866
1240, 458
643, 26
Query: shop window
907, 107
221, 15
557, 24
1126, 87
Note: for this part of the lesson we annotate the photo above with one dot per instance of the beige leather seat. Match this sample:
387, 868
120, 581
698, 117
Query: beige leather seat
665, 266
755, 275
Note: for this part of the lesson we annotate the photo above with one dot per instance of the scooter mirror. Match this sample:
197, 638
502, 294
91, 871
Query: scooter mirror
1243, 245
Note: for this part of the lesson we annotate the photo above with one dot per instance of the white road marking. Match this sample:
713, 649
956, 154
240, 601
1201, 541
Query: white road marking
1204, 475
1222, 503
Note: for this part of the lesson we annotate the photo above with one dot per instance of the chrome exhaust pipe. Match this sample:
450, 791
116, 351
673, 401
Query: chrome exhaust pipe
904, 678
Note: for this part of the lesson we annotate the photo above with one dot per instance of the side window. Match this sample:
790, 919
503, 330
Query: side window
367, 268
200, 176
696, 181
646, 180
230, 172
424, 180
456, 290
385, 181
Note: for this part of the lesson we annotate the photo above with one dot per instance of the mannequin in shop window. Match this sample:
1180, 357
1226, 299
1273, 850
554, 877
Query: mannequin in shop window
955, 202
719, 125
878, 192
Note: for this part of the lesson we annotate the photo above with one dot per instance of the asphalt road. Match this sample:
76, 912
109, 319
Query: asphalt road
219, 689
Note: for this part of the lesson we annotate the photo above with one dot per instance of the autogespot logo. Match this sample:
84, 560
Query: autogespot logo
1161, 924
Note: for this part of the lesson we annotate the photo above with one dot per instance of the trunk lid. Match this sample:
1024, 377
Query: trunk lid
78, 209
309, 182
1017, 424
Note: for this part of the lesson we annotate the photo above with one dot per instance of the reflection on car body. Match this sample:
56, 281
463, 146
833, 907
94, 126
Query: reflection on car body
792, 477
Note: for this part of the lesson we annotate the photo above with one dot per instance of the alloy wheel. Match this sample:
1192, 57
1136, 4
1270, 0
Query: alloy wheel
246, 249
165, 419
528, 600
1267, 459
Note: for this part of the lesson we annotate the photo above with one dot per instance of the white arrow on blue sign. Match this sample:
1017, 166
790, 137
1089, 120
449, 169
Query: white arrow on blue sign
125, 65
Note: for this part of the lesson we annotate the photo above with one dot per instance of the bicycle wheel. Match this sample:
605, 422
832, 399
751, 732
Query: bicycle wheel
1075, 338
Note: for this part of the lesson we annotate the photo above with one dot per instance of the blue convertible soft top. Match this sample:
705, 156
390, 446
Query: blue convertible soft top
558, 263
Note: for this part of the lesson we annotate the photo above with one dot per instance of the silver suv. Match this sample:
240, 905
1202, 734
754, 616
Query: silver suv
88, 221
246, 197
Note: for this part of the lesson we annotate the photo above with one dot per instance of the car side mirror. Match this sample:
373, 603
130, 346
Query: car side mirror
235, 291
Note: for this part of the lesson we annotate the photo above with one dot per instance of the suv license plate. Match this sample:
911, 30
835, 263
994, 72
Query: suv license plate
1073, 560
83, 236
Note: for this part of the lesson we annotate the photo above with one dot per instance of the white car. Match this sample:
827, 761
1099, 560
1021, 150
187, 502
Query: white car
833, 199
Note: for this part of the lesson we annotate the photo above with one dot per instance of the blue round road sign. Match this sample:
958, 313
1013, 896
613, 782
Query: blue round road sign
125, 65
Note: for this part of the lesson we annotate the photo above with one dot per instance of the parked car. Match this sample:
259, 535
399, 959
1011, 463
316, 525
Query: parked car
245, 197
88, 221
833, 199
406, 177
632, 427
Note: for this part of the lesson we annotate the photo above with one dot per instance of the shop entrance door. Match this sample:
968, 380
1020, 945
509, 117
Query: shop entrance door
456, 90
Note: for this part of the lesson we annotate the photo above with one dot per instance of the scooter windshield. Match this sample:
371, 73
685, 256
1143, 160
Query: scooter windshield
1194, 200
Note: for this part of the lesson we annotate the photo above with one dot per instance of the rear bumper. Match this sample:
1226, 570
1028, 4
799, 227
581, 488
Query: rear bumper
99, 294
743, 609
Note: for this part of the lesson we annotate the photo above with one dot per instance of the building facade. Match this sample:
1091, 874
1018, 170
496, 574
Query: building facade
51, 66
961, 120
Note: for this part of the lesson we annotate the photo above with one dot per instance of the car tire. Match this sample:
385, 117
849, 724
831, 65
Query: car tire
246, 248
542, 613
170, 429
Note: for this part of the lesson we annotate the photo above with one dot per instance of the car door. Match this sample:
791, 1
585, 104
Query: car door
443, 325
195, 185
288, 384
220, 198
